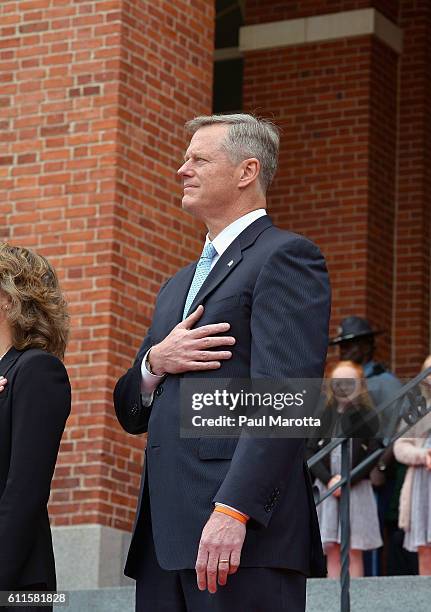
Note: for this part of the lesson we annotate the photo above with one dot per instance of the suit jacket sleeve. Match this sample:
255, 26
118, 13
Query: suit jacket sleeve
289, 328
132, 414
40, 407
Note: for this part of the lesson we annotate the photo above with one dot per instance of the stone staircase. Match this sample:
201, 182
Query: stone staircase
386, 594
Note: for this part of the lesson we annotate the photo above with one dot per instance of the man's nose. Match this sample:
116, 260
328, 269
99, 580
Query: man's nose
184, 169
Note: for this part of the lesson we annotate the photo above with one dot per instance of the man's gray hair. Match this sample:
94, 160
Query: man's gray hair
247, 136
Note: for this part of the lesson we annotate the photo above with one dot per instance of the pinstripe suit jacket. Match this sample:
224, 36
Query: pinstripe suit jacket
276, 297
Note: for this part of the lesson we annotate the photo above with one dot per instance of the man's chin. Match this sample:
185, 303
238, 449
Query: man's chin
188, 205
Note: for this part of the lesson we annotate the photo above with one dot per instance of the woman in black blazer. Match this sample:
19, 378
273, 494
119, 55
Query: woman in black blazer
34, 405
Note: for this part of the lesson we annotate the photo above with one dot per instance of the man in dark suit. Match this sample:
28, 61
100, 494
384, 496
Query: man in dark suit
255, 305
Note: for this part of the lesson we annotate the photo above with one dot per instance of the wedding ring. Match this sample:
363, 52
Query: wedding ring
223, 561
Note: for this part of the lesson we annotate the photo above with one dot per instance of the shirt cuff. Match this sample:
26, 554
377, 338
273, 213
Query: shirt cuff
149, 382
231, 508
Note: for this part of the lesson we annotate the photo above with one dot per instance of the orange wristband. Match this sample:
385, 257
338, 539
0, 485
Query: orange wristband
236, 515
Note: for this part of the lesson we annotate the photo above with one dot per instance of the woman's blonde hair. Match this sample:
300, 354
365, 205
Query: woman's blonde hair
36, 309
363, 394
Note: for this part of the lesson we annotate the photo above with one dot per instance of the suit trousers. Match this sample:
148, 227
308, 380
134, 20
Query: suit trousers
251, 589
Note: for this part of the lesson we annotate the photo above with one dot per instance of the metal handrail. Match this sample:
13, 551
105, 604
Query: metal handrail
400, 394
416, 410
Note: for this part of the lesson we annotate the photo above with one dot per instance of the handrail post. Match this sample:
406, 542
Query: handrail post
346, 454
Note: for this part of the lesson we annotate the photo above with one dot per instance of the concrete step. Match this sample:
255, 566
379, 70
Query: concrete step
383, 594
386, 594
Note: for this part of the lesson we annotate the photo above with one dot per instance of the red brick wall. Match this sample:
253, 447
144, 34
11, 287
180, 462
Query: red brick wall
92, 99
413, 244
93, 95
277, 10
381, 172
355, 172
165, 79
336, 104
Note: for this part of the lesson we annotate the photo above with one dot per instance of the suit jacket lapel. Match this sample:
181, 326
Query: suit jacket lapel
228, 261
178, 289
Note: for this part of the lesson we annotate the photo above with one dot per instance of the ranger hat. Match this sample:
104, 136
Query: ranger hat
353, 327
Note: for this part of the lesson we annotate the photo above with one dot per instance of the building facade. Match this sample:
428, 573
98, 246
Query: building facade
93, 98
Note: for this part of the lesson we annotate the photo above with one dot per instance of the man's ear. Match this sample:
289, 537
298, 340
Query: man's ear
249, 172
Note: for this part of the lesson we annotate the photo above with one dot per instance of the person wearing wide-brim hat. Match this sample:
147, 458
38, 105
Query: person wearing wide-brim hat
356, 341
352, 328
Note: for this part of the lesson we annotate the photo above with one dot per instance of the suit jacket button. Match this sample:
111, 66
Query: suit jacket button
159, 391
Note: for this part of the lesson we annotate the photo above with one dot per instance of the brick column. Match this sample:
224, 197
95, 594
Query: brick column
278, 10
93, 98
413, 250
330, 80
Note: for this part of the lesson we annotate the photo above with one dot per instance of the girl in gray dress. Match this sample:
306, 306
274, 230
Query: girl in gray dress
348, 411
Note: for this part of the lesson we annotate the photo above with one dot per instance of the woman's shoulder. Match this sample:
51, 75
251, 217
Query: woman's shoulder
38, 358
37, 384
37, 353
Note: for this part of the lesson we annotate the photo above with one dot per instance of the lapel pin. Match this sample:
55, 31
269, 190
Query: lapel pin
230, 263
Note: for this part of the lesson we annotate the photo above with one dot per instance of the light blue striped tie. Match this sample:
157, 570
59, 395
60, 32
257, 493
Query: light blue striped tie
203, 268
